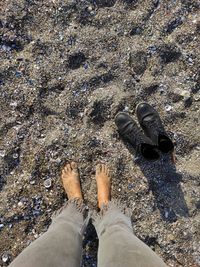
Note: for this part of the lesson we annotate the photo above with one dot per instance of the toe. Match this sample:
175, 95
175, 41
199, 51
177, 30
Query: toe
65, 170
74, 165
107, 171
68, 168
104, 168
98, 168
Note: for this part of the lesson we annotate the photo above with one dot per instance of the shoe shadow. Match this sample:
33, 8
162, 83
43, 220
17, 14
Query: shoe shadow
164, 182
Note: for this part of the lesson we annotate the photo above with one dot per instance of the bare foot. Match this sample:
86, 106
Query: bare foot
71, 181
103, 184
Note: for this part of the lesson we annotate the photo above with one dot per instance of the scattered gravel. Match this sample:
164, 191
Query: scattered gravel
66, 69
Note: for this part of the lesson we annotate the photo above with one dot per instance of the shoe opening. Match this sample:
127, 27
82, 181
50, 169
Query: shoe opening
165, 144
149, 152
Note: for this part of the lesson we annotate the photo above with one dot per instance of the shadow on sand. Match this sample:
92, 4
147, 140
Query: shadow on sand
164, 182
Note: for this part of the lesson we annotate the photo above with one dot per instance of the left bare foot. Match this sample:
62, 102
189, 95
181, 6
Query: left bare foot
71, 181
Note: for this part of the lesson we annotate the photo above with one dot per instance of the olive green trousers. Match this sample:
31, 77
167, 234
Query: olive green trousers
61, 245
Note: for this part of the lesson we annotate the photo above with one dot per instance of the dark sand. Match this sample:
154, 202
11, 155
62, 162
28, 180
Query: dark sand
66, 68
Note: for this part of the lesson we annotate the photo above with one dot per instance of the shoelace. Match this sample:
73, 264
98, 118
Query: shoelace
154, 125
134, 133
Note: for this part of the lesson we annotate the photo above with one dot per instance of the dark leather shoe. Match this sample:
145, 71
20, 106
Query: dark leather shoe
129, 131
152, 125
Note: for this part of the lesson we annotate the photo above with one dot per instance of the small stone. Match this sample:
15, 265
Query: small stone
86, 66
58, 160
28, 243
166, 214
168, 107
119, 189
20, 204
185, 93
190, 60
1, 225
5, 257
18, 74
37, 208
6, 48
162, 91
171, 237
36, 236
130, 186
15, 155
48, 183
2, 153
196, 97
126, 108
152, 49
90, 8
13, 104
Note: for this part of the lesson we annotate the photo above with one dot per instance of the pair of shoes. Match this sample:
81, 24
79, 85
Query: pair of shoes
154, 137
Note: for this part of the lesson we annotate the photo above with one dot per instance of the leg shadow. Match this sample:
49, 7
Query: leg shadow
90, 247
164, 182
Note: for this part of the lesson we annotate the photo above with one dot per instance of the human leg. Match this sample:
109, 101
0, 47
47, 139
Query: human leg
61, 245
118, 246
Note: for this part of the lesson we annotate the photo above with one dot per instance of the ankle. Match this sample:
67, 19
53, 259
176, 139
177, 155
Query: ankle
103, 201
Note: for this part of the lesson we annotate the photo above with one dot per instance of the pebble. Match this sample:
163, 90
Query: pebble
152, 49
86, 66
28, 242
18, 74
185, 93
13, 104
171, 237
36, 236
162, 91
191, 61
1, 225
130, 186
90, 8
48, 183
166, 214
20, 204
2, 153
37, 208
71, 41
5, 48
15, 155
5, 257
168, 107
197, 97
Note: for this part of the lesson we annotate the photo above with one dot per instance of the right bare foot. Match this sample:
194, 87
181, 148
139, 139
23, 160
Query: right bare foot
103, 184
71, 181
